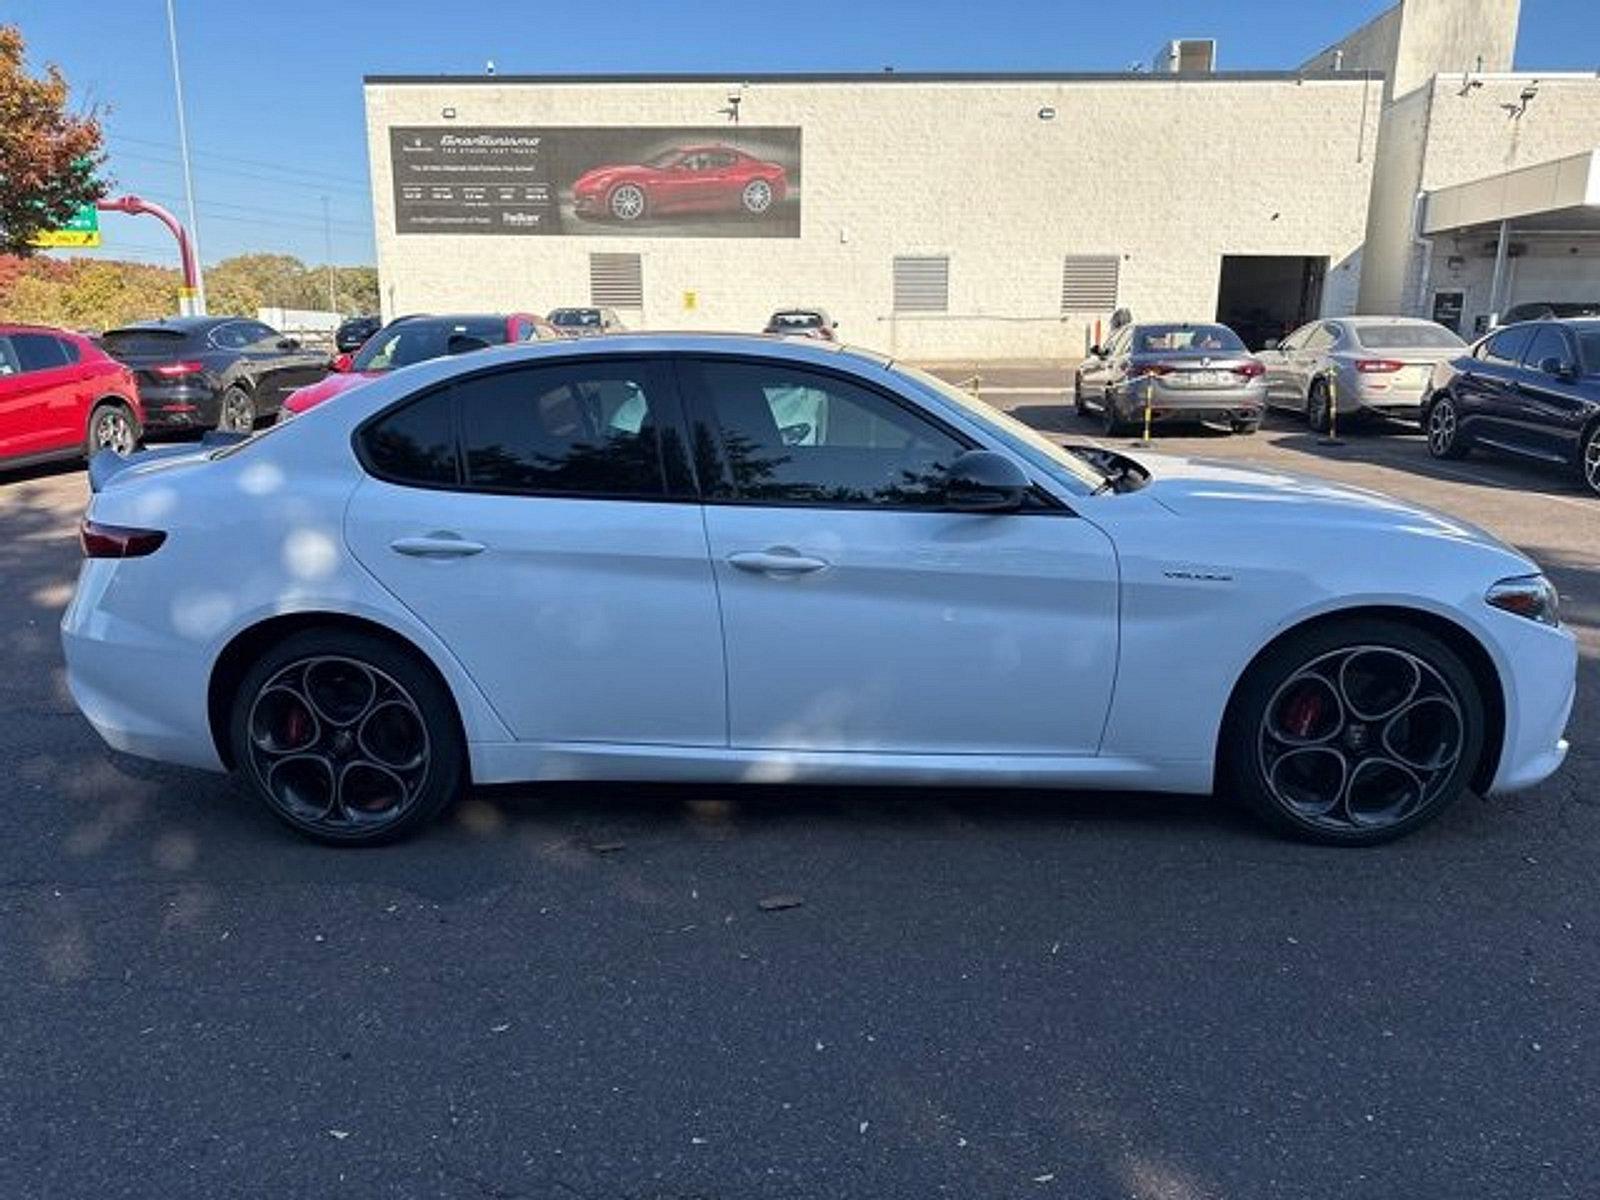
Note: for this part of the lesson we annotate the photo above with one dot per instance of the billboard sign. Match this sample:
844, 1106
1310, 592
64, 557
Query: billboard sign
720, 181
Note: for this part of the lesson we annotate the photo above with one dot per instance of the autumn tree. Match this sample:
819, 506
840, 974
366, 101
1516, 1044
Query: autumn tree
49, 158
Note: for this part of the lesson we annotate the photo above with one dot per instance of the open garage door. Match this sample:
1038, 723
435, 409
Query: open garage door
1265, 296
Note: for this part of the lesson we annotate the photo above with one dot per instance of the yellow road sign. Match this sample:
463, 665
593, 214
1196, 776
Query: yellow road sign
58, 239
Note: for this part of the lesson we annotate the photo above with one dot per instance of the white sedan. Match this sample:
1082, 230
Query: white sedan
719, 558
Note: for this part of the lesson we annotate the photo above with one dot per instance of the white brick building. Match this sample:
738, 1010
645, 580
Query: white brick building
957, 216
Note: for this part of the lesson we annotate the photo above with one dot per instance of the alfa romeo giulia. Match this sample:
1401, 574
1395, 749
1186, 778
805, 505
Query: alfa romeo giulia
720, 558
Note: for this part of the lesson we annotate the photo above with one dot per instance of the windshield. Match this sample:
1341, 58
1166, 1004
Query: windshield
1406, 337
409, 342
575, 316
1010, 427
1158, 339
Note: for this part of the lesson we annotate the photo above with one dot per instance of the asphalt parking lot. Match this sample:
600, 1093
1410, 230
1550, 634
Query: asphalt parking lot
577, 993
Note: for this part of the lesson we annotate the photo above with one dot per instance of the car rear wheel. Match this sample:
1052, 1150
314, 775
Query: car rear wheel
111, 427
1114, 425
627, 202
756, 197
237, 413
1354, 732
346, 738
1444, 429
1077, 396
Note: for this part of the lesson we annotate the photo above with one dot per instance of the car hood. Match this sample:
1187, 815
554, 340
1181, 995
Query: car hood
600, 176
314, 394
1219, 491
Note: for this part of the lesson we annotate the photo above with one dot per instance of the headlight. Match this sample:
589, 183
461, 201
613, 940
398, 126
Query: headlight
1531, 596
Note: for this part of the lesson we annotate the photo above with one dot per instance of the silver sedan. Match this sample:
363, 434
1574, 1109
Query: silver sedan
1367, 365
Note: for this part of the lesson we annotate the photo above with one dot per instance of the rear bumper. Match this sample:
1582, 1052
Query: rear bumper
178, 406
1210, 405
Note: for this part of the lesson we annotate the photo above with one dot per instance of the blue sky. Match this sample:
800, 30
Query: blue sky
274, 90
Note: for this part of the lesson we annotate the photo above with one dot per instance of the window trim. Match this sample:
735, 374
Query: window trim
696, 409
674, 415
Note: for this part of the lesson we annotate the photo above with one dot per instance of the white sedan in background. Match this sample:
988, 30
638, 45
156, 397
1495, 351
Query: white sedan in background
626, 558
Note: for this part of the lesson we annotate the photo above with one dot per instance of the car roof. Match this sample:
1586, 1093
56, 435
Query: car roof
176, 324
1376, 320
30, 327
415, 318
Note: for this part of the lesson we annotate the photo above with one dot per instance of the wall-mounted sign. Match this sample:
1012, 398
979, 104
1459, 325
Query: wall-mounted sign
720, 181
1447, 306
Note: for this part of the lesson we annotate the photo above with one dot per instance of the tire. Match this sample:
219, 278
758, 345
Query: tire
1589, 460
1114, 425
1317, 407
1409, 759
236, 413
626, 202
1442, 425
347, 780
112, 426
1078, 403
757, 197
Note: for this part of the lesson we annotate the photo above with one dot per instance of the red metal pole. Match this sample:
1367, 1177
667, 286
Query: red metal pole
134, 206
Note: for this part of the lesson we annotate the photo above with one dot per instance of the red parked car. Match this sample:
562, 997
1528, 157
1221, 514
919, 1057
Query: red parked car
407, 340
683, 179
61, 396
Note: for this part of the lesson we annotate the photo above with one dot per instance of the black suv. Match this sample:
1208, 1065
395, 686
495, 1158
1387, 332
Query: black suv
1531, 389
353, 331
212, 372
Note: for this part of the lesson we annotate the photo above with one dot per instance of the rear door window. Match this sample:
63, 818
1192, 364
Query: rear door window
415, 444
1547, 342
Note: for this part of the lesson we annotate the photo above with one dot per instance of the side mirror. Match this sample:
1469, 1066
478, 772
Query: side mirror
1097, 351
1272, 344
1554, 366
983, 481
341, 364
288, 343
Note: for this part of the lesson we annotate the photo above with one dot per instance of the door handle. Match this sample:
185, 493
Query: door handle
436, 545
779, 560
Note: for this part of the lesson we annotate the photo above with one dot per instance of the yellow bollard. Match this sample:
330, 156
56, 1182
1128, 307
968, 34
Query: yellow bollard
1149, 394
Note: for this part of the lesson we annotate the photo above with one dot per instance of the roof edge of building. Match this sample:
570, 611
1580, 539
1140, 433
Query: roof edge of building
891, 77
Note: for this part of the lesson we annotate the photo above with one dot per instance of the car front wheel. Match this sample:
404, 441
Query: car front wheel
627, 202
347, 738
1354, 732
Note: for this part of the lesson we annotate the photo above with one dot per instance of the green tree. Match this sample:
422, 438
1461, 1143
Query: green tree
49, 158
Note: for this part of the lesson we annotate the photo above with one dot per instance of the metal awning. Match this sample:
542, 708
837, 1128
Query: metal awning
1562, 195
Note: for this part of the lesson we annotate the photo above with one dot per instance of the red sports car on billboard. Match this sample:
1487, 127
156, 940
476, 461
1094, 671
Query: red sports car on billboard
681, 180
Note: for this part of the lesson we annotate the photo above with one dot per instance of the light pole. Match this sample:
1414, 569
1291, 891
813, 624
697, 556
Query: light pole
193, 304
327, 250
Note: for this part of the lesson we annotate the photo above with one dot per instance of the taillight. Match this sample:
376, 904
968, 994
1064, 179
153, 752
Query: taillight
117, 541
1378, 366
174, 370
1250, 369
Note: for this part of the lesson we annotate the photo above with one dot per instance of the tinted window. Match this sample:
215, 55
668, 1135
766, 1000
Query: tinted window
575, 316
120, 343
8, 359
1406, 337
38, 351
70, 350
416, 443
235, 335
787, 435
594, 429
1547, 343
1589, 350
1157, 339
256, 332
1507, 346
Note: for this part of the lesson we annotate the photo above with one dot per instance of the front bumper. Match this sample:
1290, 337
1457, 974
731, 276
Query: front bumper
1540, 679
